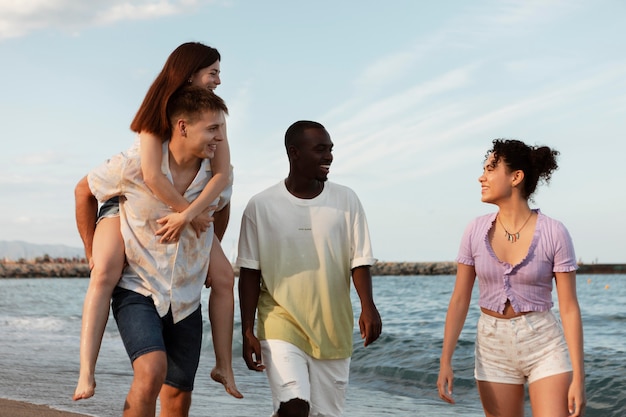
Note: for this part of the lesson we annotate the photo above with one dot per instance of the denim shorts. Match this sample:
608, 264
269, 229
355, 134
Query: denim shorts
294, 374
143, 331
110, 208
525, 348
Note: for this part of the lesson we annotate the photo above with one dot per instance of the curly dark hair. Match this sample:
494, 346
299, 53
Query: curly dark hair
537, 162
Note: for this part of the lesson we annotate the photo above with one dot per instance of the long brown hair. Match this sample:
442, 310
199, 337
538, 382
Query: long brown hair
182, 63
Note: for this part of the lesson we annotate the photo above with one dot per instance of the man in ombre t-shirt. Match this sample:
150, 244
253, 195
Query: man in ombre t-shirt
301, 240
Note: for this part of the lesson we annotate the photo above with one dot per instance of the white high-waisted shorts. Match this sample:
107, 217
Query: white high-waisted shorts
524, 348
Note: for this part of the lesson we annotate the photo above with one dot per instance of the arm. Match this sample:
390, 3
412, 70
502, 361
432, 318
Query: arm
573, 330
455, 319
86, 215
220, 221
151, 156
249, 290
370, 323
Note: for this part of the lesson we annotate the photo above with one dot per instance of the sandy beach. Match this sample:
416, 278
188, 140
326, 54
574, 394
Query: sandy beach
10, 408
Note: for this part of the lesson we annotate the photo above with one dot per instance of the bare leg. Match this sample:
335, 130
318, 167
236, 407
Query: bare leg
108, 262
174, 402
548, 396
501, 400
149, 372
221, 314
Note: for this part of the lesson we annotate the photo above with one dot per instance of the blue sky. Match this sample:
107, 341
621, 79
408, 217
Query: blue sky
412, 93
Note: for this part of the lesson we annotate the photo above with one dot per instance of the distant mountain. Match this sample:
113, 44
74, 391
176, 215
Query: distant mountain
16, 249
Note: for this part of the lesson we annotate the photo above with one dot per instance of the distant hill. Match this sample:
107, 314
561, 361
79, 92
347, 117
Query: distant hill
17, 249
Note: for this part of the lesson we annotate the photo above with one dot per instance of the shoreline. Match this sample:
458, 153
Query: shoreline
80, 269
14, 408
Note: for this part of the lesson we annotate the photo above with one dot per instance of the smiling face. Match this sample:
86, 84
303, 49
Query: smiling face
497, 181
314, 154
207, 77
204, 133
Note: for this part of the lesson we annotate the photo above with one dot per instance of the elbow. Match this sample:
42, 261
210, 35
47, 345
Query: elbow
221, 180
570, 312
152, 181
82, 190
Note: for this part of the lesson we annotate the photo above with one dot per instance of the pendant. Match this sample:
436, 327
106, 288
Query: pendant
511, 237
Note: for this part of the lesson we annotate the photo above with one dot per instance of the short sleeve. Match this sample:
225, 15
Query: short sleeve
105, 181
465, 255
564, 255
248, 254
362, 254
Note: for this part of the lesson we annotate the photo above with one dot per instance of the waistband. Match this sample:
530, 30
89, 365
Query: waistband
529, 318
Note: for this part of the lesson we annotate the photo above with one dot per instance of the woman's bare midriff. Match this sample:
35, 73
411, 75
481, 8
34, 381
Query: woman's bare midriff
508, 312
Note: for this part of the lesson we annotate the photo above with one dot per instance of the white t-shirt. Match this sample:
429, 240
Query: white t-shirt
305, 250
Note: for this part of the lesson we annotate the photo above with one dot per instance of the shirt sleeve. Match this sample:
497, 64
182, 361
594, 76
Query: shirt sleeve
247, 252
105, 181
466, 255
362, 247
564, 254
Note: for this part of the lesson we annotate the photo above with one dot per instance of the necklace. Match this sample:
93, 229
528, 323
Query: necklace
514, 237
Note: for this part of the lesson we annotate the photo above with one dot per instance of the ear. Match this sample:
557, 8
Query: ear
181, 127
518, 177
292, 152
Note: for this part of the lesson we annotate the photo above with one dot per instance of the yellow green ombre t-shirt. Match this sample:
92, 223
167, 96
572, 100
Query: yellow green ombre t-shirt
305, 250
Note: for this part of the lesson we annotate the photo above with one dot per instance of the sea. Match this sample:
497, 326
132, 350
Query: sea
40, 323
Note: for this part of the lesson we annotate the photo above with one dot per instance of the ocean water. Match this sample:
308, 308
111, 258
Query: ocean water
396, 376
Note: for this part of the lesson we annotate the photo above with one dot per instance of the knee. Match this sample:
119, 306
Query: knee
223, 280
147, 389
104, 278
296, 407
174, 401
149, 379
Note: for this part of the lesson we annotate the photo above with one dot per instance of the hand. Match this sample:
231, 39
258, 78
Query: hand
171, 227
576, 399
252, 353
370, 324
444, 384
202, 222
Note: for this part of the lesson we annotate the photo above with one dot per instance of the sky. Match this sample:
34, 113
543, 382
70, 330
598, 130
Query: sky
411, 92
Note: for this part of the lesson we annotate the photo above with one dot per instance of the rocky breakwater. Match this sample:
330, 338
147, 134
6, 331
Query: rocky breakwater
38, 269
414, 268
78, 268
408, 268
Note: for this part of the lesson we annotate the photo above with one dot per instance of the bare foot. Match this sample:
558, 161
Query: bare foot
229, 383
85, 388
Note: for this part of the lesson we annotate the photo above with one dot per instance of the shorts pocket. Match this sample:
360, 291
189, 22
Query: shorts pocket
485, 329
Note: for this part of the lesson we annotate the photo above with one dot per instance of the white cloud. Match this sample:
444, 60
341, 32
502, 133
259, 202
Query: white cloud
23, 220
381, 71
42, 158
528, 13
21, 17
129, 11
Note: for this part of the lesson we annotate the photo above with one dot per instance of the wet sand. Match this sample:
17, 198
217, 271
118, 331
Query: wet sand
10, 408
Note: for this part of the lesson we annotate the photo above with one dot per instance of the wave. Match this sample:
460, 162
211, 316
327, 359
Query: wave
25, 323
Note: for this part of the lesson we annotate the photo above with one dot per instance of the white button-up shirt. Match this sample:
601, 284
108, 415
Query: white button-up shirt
172, 274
